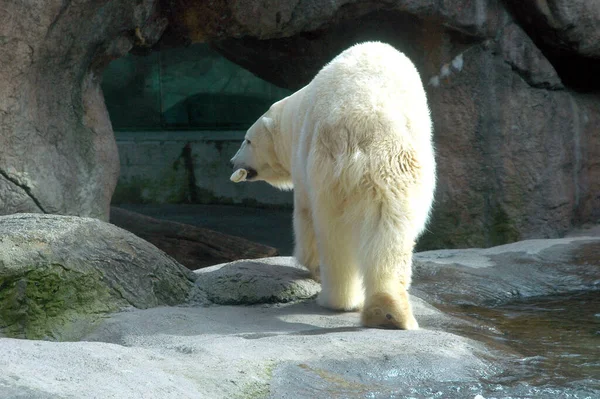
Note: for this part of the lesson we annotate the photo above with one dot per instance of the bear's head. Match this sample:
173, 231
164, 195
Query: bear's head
261, 153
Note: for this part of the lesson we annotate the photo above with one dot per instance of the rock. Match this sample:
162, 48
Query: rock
193, 247
519, 51
515, 162
57, 149
60, 275
268, 19
269, 280
509, 272
567, 25
299, 350
567, 32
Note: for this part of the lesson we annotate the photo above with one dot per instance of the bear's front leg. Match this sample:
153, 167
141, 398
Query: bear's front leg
305, 250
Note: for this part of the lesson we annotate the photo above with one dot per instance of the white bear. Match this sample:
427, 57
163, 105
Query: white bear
356, 146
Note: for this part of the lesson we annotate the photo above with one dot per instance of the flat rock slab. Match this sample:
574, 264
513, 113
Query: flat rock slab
59, 275
269, 280
294, 351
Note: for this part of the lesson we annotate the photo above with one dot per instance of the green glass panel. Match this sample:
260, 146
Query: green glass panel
185, 88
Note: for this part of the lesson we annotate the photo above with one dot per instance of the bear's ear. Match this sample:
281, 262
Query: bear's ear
269, 123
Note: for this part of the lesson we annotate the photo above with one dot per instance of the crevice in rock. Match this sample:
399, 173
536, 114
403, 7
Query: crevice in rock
577, 72
24, 188
526, 76
61, 12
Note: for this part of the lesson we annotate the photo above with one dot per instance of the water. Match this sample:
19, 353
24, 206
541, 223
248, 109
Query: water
556, 340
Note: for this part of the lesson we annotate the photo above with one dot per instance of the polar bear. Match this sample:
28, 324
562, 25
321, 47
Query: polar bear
355, 144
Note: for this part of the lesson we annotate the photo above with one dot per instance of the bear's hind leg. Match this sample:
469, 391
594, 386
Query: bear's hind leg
386, 274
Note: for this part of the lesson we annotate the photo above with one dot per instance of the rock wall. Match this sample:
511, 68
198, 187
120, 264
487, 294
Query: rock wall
514, 102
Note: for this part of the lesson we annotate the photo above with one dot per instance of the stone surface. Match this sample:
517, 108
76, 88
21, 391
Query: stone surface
299, 350
509, 272
60, 275
515, 161
568, 34
270, 280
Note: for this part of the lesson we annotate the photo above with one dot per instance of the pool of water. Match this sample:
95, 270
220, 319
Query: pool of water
556, 340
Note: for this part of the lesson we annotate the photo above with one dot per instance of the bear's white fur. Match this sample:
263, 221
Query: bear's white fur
356, 146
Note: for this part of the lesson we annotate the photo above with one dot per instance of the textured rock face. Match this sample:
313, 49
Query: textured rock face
57, 150
59, 275
568, 25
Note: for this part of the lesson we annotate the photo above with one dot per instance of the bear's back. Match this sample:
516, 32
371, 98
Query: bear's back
368, 84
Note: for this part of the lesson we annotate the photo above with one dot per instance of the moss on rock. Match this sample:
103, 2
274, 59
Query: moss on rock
53, 302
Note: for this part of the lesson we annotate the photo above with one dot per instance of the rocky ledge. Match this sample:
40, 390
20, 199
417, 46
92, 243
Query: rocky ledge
252, 328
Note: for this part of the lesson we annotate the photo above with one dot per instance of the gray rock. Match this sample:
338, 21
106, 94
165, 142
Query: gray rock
60, 275
526, 59
509, 272
567, 25
299, 350
245, 282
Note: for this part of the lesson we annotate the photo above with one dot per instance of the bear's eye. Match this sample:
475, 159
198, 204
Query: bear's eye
248, 142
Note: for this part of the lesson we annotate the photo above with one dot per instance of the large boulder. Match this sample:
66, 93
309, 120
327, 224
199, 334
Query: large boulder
60, 275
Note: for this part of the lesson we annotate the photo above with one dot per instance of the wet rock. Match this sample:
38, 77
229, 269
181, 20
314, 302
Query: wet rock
509, 272
60, 275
